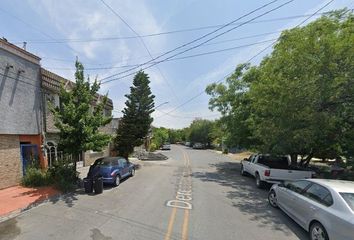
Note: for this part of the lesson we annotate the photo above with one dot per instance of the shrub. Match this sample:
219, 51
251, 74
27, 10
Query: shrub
36, 177
153, 147
63, 176
225, 151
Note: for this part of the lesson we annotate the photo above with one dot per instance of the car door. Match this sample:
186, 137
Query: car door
314, 201
252, 165
124, 167
246, 164
288, 195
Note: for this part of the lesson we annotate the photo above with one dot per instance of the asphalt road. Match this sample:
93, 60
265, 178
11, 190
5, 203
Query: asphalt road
195, 194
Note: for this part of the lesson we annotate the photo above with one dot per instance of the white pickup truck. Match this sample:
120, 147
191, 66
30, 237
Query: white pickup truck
272, 169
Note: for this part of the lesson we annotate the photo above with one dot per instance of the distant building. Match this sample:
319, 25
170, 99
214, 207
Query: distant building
51, 85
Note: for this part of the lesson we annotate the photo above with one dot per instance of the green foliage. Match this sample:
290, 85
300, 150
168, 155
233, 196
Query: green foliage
153, 147
232, 100
136, 121
159, 136
176, 135
299, 100
201, 131
80, 116
63, 176
36, 177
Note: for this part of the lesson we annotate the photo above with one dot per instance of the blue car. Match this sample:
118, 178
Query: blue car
111, 169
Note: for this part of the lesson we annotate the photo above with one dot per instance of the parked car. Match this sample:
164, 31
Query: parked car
112, 169
188, 144
324, 208
166, 146
198, 146
272, 169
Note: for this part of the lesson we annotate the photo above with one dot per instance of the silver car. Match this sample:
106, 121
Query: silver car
324, 208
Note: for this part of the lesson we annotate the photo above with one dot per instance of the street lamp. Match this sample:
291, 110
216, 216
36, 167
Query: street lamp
160, 105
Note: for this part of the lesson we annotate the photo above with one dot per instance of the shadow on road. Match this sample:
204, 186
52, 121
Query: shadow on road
250, 200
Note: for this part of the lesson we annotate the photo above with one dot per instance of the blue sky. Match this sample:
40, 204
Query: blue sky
43, 22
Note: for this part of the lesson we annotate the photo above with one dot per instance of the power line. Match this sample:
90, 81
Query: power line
113, 38
189, 117
178, 58
188, 49
36, 88
135, 64
35, 28
144, 45
195, 40
220, 80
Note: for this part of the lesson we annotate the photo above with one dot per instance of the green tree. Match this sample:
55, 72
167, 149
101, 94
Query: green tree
136, 120
299, 100
160, 136
200, 131
176, 135
233, 102
303, 102
80, 116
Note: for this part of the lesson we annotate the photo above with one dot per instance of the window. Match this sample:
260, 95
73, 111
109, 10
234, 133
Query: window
115, 162
107, 112
319, 194
53, 99
349, 198
297, 186
122, 162
103, 162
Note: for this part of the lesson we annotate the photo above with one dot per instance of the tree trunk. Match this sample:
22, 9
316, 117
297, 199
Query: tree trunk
305, 162
293, 158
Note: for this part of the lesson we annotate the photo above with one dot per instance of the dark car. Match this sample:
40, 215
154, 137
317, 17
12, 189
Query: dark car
111, 169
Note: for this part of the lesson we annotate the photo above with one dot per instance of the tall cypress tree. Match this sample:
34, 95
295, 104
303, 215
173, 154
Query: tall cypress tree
137, 119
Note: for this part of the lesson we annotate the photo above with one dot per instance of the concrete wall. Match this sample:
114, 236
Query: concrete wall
10, 161
20, 96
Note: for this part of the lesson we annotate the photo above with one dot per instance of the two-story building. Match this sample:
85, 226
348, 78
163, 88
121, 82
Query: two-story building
21, 122
27, 131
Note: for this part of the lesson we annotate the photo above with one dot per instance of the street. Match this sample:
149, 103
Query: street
195, 194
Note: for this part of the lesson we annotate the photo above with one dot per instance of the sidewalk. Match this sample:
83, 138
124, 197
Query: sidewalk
18, 198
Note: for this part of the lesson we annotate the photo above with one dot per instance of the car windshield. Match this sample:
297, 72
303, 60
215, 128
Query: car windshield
103, 162
349, 198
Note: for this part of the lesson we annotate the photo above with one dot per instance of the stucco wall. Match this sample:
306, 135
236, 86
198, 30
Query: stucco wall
20, 95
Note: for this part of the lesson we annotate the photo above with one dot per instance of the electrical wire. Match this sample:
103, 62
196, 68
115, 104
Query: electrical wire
188, 49
197, 39
35, 28
228, 75
174, 59
144, 45
112, 38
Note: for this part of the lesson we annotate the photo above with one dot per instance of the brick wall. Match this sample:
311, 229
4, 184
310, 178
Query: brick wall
10, 161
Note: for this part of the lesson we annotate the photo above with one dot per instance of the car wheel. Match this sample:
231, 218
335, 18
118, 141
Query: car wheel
318, 232
259, 182
116, 181
272, 199
132, 172
243, 173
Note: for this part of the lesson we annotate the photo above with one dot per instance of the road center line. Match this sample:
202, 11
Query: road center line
184, 195
170, 224
185, 225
